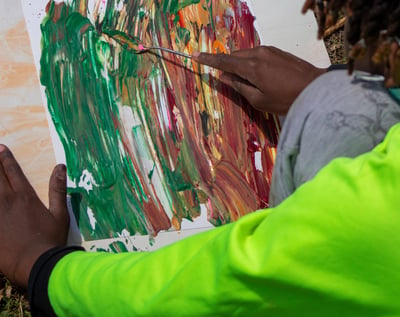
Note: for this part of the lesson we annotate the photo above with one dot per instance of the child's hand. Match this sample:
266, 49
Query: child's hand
269, 78
27, 227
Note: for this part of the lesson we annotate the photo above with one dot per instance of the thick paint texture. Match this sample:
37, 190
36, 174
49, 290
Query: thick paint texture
148, 137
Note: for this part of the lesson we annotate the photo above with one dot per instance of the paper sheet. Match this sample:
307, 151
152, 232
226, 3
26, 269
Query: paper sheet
280, 24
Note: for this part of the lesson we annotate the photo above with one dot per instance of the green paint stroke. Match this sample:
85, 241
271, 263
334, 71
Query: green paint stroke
137, 147
173, 6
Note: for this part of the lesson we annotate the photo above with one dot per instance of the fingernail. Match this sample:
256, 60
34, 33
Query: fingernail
61, 172
195, 54
2, 147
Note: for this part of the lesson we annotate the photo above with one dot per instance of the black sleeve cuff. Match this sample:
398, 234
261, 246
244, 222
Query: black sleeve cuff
336, 67
39, 280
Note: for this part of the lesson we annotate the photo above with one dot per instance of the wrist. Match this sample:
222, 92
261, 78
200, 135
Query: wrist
25, 261
39, 279
336, 67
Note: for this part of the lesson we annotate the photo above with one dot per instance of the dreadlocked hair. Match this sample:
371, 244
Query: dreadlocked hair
393, 28
369, 22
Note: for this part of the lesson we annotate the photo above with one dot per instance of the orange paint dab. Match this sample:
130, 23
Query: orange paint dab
218, 47
182, 22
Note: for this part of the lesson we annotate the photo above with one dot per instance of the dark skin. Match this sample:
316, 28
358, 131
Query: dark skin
269, 78
27, 227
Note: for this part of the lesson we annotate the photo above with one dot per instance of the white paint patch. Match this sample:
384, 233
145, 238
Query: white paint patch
130, 119
92, 219
119, 6
159, 88
97, 10
104, 72
87, 181
142, 11
258, 162
199, 222
71, 183
229, 12
124, 234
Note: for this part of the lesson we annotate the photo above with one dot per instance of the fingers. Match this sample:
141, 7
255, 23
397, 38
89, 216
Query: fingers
4, 184
308, 4
58, 194
253, 95
12, 172
225, 62
246, 53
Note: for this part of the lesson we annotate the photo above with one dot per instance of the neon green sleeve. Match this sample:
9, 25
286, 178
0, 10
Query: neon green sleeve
331, 249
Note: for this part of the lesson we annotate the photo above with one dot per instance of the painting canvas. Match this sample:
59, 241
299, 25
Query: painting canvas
153, 142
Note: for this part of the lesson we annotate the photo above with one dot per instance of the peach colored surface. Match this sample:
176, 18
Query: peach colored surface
23, 123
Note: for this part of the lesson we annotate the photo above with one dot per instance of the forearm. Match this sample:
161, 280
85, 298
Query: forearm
307, 256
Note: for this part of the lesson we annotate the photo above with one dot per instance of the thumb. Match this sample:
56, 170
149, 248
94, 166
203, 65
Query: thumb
58, 195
